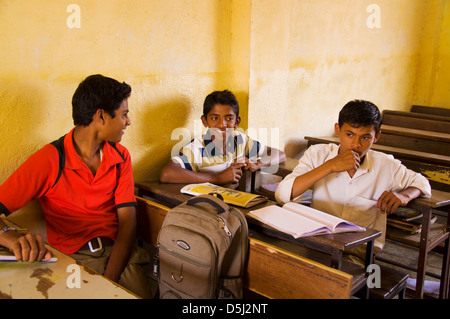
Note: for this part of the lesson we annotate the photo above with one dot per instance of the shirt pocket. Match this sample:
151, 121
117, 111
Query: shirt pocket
364, 212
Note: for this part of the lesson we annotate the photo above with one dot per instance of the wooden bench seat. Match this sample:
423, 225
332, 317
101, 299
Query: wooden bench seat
393, 283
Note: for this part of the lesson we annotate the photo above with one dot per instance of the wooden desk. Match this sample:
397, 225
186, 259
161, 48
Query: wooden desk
441, 201
49, 280
333, 245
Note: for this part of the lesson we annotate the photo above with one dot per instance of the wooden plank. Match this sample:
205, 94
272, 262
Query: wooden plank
421, 134
150, 217
424, 145
397, 118
277, 273
426, 116
433, 110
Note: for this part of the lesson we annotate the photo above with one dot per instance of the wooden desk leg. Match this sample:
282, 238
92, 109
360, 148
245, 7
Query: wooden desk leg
336, 259
368, 262
369, 253
423, 252
445, 278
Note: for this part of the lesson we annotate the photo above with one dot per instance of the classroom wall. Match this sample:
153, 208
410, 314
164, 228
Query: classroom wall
291, 63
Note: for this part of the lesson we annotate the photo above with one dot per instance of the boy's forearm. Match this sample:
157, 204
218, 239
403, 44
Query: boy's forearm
174, 173
410, 193
303, 182
126, 236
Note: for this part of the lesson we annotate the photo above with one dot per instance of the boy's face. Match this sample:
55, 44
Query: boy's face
221, 117
115, 127
358, 139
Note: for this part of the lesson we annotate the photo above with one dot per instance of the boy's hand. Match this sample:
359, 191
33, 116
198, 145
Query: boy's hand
346, 161
390, 201
28, 247
251, 166
232, 174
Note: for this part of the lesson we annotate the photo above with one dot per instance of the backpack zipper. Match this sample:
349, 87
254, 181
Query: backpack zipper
224, 226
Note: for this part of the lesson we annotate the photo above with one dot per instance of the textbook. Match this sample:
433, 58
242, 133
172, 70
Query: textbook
6, 255
300, 221
406, 214
230, 196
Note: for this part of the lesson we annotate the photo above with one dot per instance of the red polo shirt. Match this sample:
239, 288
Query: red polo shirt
80, 206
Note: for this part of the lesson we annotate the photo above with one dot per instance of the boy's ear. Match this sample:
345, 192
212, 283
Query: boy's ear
238, 121
377, 136
99, 116
205, 124
337, 129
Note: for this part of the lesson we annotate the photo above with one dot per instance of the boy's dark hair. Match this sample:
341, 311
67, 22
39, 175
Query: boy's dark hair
220, 97
358, 113
97, 92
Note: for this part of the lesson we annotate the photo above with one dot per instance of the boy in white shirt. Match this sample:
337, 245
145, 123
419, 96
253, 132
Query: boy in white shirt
350, 180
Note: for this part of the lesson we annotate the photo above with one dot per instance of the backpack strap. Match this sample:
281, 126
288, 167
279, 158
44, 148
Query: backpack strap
59, 144
113, 144
220, 208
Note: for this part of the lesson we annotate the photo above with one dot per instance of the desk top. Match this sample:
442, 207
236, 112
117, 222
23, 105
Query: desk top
170, 195
57, 280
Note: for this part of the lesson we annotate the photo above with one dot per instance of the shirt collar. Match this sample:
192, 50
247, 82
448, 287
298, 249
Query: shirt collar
73, 160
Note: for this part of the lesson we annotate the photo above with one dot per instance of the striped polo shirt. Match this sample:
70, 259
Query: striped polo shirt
201, 155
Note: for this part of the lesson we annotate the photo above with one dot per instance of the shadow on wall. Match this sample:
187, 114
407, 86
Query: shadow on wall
154, 128
295, 148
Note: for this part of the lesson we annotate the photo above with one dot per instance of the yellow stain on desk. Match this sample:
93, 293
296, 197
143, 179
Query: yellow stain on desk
437, 176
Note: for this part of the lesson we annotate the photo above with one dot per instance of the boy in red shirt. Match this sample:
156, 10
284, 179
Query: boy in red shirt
88, 199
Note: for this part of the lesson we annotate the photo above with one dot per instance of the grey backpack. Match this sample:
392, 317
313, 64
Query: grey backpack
202, 250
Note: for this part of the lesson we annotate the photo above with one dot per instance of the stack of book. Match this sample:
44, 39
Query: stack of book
407, 219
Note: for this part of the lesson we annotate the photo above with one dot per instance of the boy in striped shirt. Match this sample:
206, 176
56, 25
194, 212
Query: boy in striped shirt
220, 155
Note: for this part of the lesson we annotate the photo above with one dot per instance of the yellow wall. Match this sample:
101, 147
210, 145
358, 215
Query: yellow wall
433, 73
291, 63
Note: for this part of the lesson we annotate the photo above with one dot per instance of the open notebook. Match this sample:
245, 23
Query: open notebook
301, 221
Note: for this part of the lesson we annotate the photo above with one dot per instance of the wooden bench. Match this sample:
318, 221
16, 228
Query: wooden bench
418, 121
414, 139
430, 110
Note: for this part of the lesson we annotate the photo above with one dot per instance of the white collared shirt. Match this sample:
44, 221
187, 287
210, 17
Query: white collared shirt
353, 198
